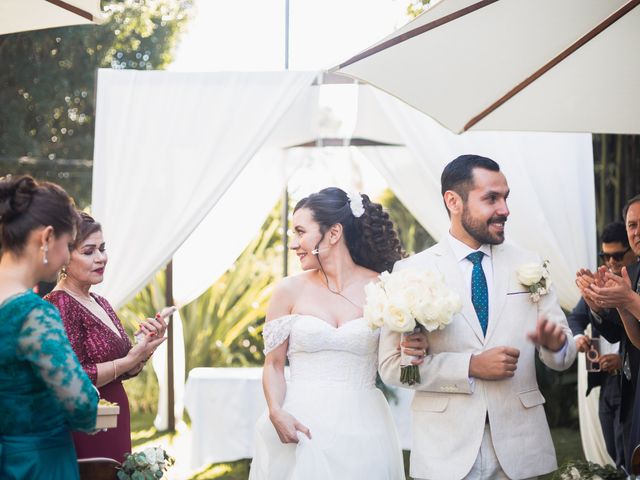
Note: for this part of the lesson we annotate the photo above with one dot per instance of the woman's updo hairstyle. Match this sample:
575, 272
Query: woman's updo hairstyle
371, 239
26, 205
86, 226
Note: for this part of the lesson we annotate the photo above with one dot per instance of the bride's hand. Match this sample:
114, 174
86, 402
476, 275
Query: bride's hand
415, 345
287, 426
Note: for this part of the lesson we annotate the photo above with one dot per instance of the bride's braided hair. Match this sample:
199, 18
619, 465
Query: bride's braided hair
371, 238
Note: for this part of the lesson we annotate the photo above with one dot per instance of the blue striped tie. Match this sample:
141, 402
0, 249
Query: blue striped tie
479, 291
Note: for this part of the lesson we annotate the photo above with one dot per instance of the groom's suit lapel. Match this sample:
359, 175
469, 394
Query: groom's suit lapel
448, 267
497, 298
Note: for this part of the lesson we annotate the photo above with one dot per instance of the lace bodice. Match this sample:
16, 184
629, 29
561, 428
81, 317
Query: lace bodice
323, 354
42, 385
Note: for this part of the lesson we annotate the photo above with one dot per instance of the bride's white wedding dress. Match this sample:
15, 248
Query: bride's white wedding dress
332, 391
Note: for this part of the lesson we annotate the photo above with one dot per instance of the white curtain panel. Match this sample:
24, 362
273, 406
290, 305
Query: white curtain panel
552, 198
167, 147
593, 446
159, 362
232, 223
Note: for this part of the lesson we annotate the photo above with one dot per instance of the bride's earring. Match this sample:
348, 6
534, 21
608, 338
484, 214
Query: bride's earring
45, 260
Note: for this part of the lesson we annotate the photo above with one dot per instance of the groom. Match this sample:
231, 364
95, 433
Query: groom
478, 413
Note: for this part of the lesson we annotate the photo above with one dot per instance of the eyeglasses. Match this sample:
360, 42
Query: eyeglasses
617, 256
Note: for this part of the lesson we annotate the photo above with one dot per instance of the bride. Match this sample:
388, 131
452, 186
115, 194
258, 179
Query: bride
329, 421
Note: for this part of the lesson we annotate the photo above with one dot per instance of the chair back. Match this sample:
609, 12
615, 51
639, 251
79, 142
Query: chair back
98, 468
635, 461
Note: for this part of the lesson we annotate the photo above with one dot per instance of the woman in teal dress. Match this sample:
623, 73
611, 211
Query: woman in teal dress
44, 392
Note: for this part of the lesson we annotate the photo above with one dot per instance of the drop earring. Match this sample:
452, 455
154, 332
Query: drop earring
45, 260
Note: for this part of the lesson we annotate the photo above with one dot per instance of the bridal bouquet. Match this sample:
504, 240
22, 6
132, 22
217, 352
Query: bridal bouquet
410, 300
151, 463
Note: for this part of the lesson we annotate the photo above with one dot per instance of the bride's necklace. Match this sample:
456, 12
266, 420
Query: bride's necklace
336, 292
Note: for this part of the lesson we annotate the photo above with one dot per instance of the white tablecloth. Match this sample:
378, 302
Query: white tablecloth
225, 403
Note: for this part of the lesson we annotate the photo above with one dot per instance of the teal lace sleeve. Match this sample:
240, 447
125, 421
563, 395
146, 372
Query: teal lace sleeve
43, 342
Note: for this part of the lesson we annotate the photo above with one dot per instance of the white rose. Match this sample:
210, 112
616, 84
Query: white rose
154, 468
530, 273
374, 307
150, 454
398, 318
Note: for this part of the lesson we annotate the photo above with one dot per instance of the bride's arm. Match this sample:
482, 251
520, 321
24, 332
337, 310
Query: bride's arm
273, 382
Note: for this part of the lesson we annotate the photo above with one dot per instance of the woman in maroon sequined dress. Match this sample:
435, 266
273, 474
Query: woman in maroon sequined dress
99, 339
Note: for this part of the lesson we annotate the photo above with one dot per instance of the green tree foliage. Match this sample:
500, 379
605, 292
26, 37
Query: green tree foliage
413, 237
416, 7
48, 85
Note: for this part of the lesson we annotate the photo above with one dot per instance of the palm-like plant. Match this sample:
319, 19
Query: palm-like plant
221, 327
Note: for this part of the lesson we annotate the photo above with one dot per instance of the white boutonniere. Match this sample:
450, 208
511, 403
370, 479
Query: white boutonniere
535, 277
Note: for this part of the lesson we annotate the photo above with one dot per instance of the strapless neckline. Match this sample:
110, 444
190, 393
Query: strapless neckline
339, 327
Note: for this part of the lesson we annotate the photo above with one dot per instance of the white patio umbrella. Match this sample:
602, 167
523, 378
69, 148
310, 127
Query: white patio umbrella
543, 65
21, 15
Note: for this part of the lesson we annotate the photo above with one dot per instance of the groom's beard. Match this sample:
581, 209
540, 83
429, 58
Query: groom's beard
480, 230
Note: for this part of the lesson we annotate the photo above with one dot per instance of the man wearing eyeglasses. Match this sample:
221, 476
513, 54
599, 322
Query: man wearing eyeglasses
615, 254
615, 308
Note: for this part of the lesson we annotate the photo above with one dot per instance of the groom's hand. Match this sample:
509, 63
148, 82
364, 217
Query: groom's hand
548, 335
494, 364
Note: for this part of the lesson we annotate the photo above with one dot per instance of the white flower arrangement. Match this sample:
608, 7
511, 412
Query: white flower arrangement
408, 299
151, 463
536, 278
584, 470
355, 203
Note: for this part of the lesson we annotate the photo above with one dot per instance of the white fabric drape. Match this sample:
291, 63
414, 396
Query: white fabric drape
167, 146
593, 446
159, 362
552, 199
224, 233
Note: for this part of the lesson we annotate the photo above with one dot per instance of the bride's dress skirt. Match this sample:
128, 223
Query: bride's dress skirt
333, 393
353, 436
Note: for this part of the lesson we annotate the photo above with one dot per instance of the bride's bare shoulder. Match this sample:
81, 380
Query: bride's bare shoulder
286, 292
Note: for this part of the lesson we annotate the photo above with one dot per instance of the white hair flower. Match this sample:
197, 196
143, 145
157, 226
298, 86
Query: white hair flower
355, 203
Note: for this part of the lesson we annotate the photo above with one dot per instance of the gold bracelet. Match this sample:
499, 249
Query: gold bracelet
115, 370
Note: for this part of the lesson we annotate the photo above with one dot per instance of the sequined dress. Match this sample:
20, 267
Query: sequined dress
332, 391
94, 342
43, 393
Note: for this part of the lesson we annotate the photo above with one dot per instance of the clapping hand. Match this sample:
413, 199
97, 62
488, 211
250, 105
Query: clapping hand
612, 291
584, 279
548, 335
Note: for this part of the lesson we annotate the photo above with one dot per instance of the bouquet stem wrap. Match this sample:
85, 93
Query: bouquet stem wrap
409, 374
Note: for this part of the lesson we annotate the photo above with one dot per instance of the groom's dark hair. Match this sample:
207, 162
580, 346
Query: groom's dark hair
458, 174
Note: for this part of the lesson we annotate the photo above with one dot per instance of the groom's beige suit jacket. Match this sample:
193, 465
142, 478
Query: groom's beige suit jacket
449, 408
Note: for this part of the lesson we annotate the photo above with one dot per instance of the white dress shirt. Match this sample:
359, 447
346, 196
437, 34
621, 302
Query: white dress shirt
460, 251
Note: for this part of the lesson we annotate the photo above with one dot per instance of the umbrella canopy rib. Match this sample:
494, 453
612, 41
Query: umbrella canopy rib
72, 9
602, 26
415, 32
